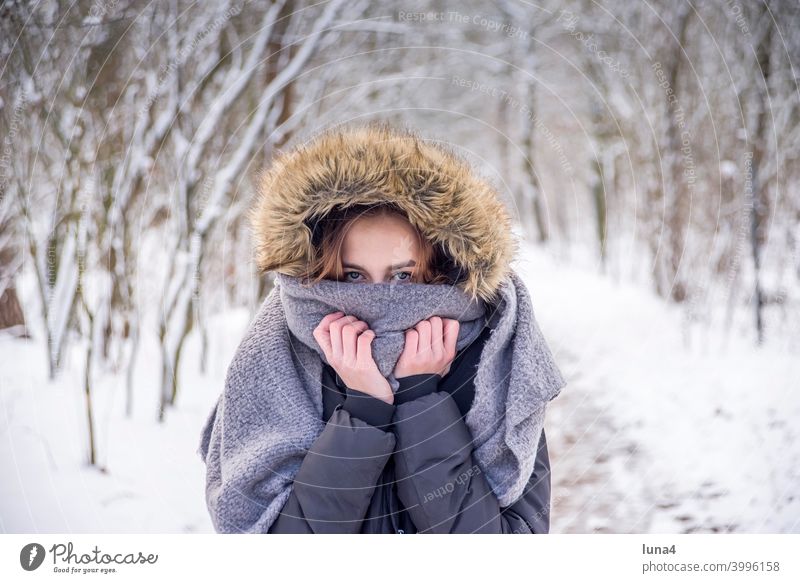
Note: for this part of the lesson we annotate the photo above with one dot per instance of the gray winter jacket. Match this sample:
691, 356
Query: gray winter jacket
406, 467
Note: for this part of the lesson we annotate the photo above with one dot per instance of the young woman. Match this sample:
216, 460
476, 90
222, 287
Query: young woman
410, 451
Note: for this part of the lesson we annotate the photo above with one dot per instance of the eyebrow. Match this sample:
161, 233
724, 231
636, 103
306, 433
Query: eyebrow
409, 263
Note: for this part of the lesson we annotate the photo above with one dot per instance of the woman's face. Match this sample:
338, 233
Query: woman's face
379, 248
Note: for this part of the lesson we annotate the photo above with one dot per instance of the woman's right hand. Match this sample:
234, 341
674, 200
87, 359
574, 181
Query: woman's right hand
347, 344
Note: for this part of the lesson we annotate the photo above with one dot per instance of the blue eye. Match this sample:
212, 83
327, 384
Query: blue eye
406, 273
348, 273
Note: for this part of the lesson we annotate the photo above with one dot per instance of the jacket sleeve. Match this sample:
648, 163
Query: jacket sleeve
335, 483
439, 482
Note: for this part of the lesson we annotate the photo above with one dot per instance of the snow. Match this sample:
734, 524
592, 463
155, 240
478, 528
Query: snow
649, 435
151, 478
675, 439
62, 295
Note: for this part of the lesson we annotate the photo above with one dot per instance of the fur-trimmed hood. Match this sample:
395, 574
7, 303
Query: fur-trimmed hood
441, 195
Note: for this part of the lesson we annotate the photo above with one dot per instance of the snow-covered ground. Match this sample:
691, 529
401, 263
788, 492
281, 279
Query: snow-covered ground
653, 436
648, 436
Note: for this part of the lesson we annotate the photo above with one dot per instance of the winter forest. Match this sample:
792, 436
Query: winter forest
649, 152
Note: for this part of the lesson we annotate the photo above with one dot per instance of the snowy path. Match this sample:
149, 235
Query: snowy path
603, 481
595, 468
652, 436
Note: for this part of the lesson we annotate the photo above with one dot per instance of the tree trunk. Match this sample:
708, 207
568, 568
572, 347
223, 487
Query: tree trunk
757, 195
11, 311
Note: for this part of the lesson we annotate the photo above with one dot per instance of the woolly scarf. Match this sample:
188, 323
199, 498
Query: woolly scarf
270, 411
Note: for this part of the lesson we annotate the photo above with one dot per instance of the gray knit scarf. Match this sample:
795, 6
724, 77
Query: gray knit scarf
270, 411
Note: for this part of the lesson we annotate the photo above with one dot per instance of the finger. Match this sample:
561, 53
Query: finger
350, 333
336, 335
437, 346
360, 326
322, 333
364, 355
327, 320
424, 329
412, 342
450, 336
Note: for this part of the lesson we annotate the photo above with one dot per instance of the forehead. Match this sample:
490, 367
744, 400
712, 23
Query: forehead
385, 240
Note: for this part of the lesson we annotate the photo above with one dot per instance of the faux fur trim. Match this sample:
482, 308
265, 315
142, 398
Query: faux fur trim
440, 194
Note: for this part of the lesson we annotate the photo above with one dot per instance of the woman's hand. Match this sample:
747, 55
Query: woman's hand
430, 348
347, 344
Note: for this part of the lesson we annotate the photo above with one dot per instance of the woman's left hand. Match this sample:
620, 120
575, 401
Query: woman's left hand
430, 348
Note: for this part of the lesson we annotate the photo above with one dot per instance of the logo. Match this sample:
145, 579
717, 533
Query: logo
31, 556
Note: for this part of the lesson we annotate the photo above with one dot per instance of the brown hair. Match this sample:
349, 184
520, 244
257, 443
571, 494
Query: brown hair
328, 234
